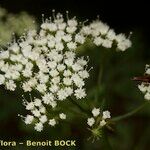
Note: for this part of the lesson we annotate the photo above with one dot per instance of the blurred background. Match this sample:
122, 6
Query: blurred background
116, 91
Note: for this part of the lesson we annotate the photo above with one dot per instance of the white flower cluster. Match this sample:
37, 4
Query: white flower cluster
14, 23
145, 86
102, 35
46, 61
38, 115
103, 116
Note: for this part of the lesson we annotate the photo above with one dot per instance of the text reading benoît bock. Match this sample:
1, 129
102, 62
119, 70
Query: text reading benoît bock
30, 143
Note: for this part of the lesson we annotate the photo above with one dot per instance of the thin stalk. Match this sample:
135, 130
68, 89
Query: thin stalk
106, 141
131, 113
80, 107
99, 81
100, 75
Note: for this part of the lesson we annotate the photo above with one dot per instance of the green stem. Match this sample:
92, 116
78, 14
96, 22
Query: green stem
86, 112
99, 81
106, 141
100, 75
127, 115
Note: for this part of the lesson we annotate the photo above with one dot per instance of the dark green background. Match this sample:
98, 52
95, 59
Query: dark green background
120, 92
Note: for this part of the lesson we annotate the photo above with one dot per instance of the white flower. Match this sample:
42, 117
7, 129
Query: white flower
62, 116
100, 26
120, 37
71, 45
2, 63
59, 46
28, 119
98, 41
27, 87
4, 55
53, 104
51, 44
124, 45
81, 61
77, 80
84, 74
5, 68
37, 102
41, 88
76, 67
52, 122
80, 93
47, 98
55, 80
91, 121
36, 113
71, 30
27, 72
106, 115
62, 95
67, 73
10, 85
67, 81
2, 79
61, 67
42, 109
52, 64
18, 67
69, 62
43, 78
15, 48
147, 66
54, 73
69, 91
32, 82
142, 88
111, 35
102, 123
58, 58
54, 88
62, 26
147, 96
34, 56
43, 119
72, 22
38, 127
107, 43
12, 73
51, 27
80, 38
70, 54
96, 112
30, 106
67, 37
86, 30
148, 71
148, 88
